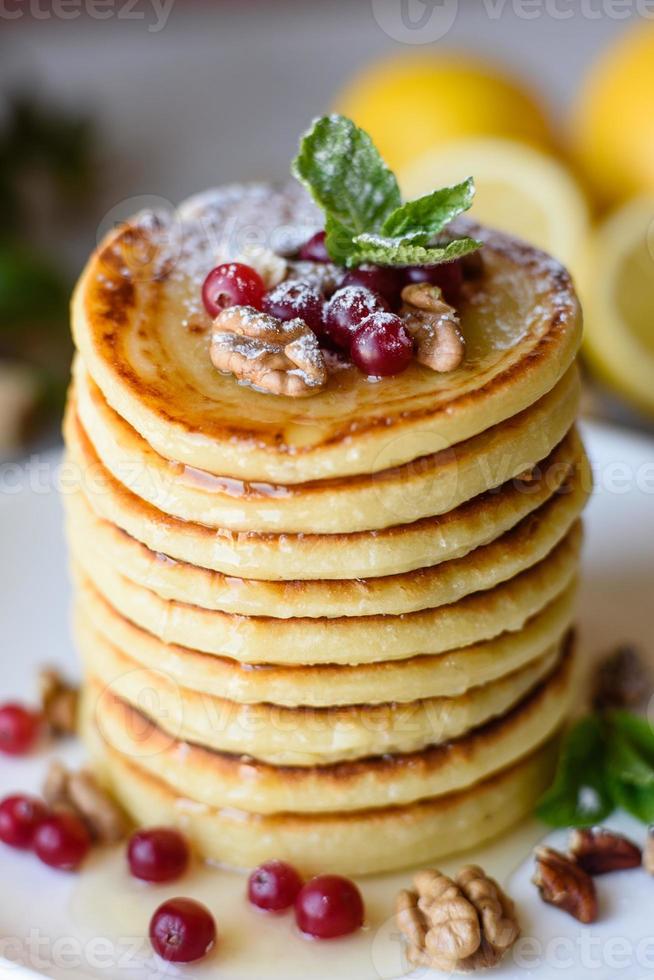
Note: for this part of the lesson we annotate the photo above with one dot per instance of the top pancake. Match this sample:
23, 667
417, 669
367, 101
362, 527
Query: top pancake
139, 324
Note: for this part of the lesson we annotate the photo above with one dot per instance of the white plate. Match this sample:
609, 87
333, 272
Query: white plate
40, 906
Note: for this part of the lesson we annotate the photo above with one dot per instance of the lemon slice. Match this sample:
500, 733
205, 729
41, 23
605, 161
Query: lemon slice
519, 190
619, 299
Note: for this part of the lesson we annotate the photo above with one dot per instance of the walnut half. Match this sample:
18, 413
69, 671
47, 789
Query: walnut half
599, 851
434, 325
564, 883
456, 925
80, 793
280, 357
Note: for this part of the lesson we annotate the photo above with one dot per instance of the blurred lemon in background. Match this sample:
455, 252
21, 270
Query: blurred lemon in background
613, 122
409, 105
619, 301
518, 189
437, 119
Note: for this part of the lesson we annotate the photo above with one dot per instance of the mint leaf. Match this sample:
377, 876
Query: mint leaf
425, 217
340, 166
389, 251
635, 730
637, 800
630, 764
338, 240
626, 763
580, 795
365, 220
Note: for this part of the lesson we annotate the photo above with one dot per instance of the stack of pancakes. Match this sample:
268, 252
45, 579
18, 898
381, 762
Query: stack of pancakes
333, 630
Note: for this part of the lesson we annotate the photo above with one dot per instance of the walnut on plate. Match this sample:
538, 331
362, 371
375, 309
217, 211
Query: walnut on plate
281, 357
80, 793
59, 702
460, 924
434, 325
564, 883
600, 851
648, 852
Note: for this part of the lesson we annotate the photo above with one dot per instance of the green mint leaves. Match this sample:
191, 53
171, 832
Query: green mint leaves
579, 795
390, 251
342, 169
607, 761
365, 219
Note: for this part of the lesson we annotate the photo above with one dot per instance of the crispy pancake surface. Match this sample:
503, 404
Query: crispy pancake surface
523, 546
278, 557
218, 779
334, 630
140, 327
303, 736
328, 685
345, 640
431, 484
346, 842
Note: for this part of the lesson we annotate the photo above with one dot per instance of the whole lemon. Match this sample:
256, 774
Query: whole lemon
413, 103
612, 126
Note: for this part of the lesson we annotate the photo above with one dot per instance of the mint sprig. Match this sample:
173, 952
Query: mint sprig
389, 251
607, 761
365, 220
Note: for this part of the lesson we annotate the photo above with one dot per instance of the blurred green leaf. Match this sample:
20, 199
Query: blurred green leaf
579, 795
31, 290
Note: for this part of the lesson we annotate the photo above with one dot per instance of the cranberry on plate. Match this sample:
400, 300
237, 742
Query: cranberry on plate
158, 854
386, 280
232, 284
294, 298
182, 930
62, 841
382, 345
329, 906
20, 817
19, 728
346, 309
315, 250
274, 886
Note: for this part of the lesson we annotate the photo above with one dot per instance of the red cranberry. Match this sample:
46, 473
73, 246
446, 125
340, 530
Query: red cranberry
274, 886
158, 854
62, 841
232, 284
329, 906
383, 279
19, 818
19, 728
381, 345
182, 931
315, 249
447, 275
346, 310
295, 298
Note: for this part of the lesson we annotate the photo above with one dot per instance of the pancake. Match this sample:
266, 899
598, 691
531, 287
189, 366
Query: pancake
300, 736
270, 557
356, 842
525, 545
432, 484
221, 780
347, 640
328, 685
138, 321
